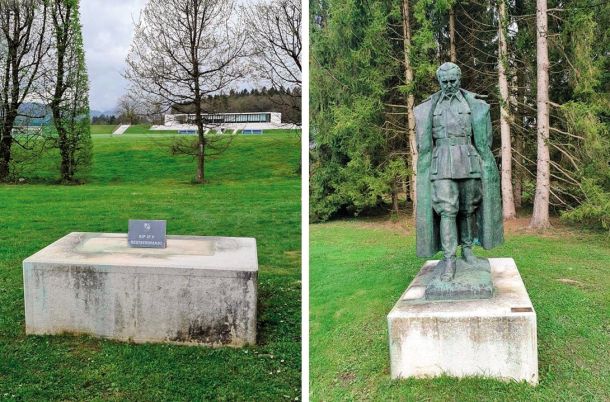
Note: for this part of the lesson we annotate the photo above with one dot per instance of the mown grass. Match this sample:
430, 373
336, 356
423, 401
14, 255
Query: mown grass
103, 128
253, 190
358, 269
141, 129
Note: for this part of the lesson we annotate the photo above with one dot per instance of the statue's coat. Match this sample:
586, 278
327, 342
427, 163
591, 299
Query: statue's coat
490, 229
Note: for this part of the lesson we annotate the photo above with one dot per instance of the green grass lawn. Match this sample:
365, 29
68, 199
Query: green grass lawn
142, 129
359, 268
253, 190
103, 128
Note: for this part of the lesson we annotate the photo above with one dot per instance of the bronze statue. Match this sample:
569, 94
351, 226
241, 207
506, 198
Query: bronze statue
458, 185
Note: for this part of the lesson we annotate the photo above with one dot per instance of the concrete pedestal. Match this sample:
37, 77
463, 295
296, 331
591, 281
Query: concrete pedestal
198, 290
490, 337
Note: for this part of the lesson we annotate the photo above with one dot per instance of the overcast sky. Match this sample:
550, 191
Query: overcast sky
107, 31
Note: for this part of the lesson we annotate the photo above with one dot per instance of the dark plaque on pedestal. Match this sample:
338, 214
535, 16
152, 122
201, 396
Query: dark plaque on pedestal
147, 234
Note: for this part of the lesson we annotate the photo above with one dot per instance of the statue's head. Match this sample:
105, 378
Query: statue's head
448, 75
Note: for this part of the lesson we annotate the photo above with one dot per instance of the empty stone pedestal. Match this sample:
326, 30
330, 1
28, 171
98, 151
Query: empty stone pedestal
198, 290
493, 337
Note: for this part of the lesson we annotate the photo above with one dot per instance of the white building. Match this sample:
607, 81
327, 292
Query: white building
226, 121
225, 118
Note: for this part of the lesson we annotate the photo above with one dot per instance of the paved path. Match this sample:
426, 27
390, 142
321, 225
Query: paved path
122, 128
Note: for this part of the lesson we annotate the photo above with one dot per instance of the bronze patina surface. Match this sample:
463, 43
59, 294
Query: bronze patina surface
458, 188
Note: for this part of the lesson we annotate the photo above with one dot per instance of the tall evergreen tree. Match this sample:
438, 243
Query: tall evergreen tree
586, 110
409, 89
565, 114
353, 167
508, 203
540, 216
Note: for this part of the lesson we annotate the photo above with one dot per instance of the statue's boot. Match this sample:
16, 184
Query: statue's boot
448, 272
467, 238
448, 229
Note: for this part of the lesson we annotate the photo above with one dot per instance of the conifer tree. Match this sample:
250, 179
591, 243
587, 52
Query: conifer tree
557, 132
508, 203
353, 65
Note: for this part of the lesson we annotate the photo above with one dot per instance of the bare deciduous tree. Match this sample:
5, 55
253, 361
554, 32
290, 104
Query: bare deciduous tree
274, 28
24, 45
128, 109
182, 51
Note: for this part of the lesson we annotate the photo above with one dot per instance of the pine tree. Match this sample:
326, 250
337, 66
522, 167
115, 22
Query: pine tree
540, 216
508, 203
551, 127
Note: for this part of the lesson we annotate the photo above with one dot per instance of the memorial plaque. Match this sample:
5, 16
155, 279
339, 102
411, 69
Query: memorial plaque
147, 234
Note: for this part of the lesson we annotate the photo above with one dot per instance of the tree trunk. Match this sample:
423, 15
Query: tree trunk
406, 27
517, 140
508, 204
23, 44
200, 135
452, 52
518, 174
61, 35
5, 152
201, 142
540, 216
200, 162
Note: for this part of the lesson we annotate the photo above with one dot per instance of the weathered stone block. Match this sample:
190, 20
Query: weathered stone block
198, 290
489, 337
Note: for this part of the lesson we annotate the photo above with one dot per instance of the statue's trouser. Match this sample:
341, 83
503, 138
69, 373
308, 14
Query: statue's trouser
450, 199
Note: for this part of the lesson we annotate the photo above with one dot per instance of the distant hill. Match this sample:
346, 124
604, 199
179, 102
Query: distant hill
97, 113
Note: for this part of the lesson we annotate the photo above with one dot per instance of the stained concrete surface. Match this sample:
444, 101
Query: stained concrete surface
493, 337
198, 290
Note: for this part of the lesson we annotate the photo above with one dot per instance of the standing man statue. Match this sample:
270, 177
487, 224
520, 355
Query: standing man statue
458, 185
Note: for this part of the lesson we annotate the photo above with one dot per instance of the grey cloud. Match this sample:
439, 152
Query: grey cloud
107, 32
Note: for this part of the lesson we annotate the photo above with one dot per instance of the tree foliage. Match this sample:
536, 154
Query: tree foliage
69, 100
353, 166
357, 95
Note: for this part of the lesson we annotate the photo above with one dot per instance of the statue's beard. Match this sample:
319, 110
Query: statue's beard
450, 90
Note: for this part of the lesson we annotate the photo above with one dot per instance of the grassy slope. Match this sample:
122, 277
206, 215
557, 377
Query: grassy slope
103, 128
253, 191
359, 269
141, 129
